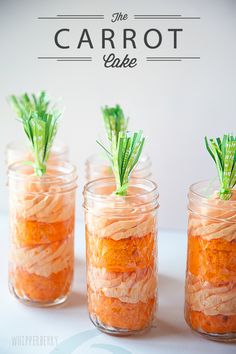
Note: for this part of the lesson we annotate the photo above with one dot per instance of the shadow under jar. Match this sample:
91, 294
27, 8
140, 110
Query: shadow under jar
121, 255
42, 211
98, 167
210, 293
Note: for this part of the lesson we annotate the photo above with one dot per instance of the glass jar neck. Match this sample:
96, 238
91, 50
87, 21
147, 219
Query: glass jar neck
204, 201
100, 197
58, 178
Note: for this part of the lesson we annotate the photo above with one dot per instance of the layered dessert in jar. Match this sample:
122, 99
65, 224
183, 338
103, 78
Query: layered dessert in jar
121, 255
120, 219
210, 302
42, 211
42, 208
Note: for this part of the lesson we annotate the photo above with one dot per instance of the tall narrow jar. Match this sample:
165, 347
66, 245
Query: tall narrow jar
98, 167
210, 303
121, 255
42, 211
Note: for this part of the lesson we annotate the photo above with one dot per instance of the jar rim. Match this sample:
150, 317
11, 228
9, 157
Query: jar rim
214, 182
142, 203
111, 181
67, 170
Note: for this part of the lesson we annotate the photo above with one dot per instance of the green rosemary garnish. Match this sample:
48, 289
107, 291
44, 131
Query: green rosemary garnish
223, 152
40, 125
114, 120
124, 155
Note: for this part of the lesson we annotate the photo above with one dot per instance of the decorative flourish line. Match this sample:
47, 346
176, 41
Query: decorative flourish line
165, 60
67, 58
74, 59
72, 17
158, 58
171, 58
165, 17
64, 57
157, 15
80, 16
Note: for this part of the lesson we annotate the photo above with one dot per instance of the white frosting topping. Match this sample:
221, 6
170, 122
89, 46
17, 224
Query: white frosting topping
44, 259
121, 228
211, 299
42, 207
216, 219
130, 287
210, 230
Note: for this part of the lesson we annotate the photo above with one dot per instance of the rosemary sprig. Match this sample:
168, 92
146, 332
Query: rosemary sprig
223, 152
114, 121
39, 124
124, 155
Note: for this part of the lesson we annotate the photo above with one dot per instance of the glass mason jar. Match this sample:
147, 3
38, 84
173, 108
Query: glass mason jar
210, 293
98, 167
121, 255
42, 212
18, 151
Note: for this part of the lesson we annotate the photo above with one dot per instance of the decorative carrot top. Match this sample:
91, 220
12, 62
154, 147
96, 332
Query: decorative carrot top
39, 124
124, 154
114, 120
223, 152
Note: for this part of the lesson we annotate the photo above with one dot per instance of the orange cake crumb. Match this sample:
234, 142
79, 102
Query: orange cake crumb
112, 312
213, 260
38, 288
211, 324
29, 233
124, 255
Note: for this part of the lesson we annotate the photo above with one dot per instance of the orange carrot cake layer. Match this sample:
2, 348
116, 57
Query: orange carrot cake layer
34, 287
211, 324
210, 306
29, 233
212, 260
115, 313
121, 256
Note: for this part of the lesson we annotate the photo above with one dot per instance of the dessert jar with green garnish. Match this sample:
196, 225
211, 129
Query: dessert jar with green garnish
121, 248
97, 166
42, 212
24, 106
210, 293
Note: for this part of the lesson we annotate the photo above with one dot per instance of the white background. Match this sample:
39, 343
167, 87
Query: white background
176, 104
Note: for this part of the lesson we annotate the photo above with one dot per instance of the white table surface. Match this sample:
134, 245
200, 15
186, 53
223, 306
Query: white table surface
67, 329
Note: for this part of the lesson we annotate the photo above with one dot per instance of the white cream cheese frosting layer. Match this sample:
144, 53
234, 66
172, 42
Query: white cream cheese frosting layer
43, 208
211, 299
44, 259
215, 220
214, 230
130, 287
119, 228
